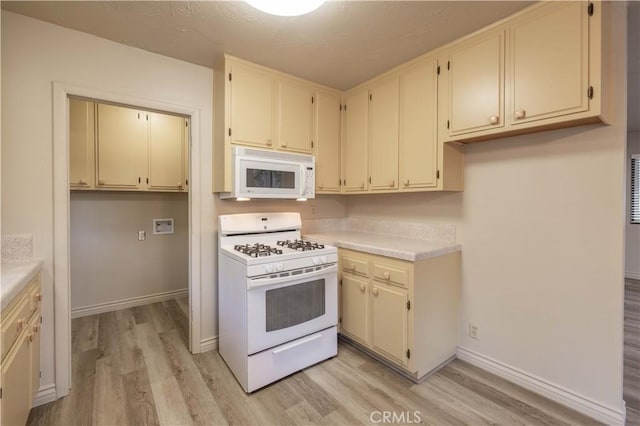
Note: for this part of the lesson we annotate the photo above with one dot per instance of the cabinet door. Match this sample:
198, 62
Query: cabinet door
389, 322
418, 131
34, 354
166, 156
383, 134
295, 118
187, 154
354, 308
16, 384
251, 106
327, 142
549, 62
355, 143
476, 81
121, 146
81, 144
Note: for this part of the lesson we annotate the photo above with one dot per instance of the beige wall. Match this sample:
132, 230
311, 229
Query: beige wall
108, 263
35, 54
541, 222
632, 259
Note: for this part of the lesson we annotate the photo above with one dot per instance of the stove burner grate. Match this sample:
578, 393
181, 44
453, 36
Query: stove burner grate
257, 250
300, 245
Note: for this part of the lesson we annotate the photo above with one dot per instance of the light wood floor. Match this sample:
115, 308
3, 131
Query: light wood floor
132, 367
632, 351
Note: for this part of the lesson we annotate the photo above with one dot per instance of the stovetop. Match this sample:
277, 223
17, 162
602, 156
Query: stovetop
280, 247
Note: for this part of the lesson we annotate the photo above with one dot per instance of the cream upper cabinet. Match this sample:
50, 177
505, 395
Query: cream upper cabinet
121, 145
295, 116
383, 134
327, 141
549, 62
476, 81
417, 130
166, 152
82, 140
354, 149
251, 105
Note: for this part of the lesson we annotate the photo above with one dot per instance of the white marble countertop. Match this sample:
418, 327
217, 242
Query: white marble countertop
16, 274
386, 245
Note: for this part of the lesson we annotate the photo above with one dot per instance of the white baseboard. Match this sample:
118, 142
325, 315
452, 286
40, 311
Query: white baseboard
45, 395
632, 275
127, 303
580, 403
209, 344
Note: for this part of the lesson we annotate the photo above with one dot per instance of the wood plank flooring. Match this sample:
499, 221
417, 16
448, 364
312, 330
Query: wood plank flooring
132, 367
632, 351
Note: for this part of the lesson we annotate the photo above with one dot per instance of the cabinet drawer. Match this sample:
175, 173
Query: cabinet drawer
355, 266
391, 274
14, 324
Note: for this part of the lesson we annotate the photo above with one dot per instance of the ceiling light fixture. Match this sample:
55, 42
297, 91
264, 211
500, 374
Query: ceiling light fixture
286, 7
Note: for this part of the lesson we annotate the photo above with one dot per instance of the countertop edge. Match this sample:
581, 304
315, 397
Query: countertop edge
14, 286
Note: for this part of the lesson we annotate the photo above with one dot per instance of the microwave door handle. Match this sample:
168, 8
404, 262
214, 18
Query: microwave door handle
259, 282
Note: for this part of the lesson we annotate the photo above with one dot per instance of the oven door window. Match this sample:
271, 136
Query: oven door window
295, 304
260, 178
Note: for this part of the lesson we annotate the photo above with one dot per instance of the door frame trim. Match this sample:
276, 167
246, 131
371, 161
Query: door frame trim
61, 219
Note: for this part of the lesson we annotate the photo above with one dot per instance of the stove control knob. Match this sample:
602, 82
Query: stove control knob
279, 267
268, 268
323, 259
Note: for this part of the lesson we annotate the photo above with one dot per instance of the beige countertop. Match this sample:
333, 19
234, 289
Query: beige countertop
385, 245
16, 275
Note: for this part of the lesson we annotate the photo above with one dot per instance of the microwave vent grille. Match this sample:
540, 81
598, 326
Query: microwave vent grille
275, 155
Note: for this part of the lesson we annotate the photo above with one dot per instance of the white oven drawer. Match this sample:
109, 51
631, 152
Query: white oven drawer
273, 364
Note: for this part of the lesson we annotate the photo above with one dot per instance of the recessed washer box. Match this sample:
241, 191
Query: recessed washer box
163, 226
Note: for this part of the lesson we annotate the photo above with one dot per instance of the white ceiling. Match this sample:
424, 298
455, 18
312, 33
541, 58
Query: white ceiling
340, 45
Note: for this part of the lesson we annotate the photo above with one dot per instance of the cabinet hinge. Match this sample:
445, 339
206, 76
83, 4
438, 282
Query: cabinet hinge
408, 305
590, 9
369, 180
139, 180
41, 374
590, 92
229, 131
339, 320
138, 116
448, 65
438, 70
0, 393
437, 174
344, 182
229, 76
370, 97
340, 107
147, 117
340, 282
186, 182
345, 107
447, 126
408, 353
147, 181
312, 99
186, 123
311, 144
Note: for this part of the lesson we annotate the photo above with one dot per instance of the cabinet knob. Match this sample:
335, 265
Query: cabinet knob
81, 182
374, 291
406, 182
283, 144
20, 324
320, 185
392, 183
387, 276
101, 182
353, 268
362, 288
494, 119
268, 142
38, 297
30, 337
362, 186
520, 114
36, 328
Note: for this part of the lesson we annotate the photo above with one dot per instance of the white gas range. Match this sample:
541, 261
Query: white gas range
277, 298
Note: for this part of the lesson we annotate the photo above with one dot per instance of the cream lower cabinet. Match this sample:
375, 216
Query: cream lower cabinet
21, 360
404, 312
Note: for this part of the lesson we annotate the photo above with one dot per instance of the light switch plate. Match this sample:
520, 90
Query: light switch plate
163, 226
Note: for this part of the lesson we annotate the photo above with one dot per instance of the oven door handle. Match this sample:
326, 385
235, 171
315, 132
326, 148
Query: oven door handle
260, 282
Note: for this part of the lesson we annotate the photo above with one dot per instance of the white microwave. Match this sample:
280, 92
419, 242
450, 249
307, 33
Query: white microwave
258, 173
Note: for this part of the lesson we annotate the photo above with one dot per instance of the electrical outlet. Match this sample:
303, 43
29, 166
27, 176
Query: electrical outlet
474, 333
142, 235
